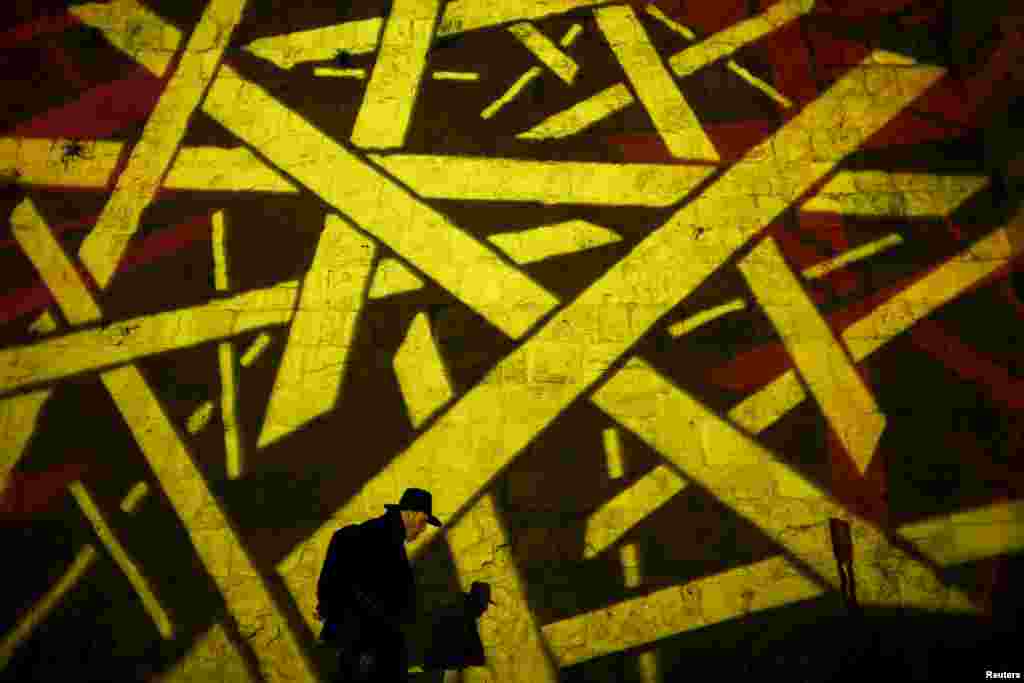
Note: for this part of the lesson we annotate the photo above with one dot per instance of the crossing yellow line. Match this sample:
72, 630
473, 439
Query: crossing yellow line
852, 256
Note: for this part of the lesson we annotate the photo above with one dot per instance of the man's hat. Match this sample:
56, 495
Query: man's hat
417, 500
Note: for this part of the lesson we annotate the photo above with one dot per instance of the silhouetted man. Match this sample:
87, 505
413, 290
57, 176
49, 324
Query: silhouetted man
366, 591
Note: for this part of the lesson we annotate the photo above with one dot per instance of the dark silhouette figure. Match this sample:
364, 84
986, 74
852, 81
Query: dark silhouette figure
366, 591
455, 639
842, 547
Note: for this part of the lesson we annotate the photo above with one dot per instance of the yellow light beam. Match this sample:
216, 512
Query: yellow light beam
533, 72
544, 49
226, 359
320, 336
387, 211
255, 350
456, 76
613, 452
98, 348
134, 497
819, 356
19, 416
673, 118
517, 412
421, 372
629, 559
200, 417
214, 169
970, 535
479, 544
331, 72
384, 117
40, 161
44, 324
124, 561
537, 244
581, 115
135, 30
627, 509
136, 187
42, 609
911, 195
248, 600
704, 317
852, 256
729, 41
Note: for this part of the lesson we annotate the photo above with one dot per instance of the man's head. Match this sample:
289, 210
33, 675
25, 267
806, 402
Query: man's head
415, 522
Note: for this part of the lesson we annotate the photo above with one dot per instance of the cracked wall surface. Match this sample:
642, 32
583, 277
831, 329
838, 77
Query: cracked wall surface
700, 322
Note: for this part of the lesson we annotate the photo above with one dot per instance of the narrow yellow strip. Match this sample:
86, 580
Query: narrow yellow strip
255, 349
41, 247
331, 72
38, 612
617, 517
384, 118
19, 416
200, 417
135, 30
134, 497
819, 356
548, 182
852, 256
537, 244
456, 76
318, 44
682, 30
613, 452
760, 84
873, 193
510, 94
544, 49
727, 42
124, 561
89, 350
44, 161
382, 208
704, 317
630, 561
229, 409
321, 333
571, 35
674, 610
477, 542
422, 376
673, 118
215, 169
519, 413
220, 256
103, 247
44, 324
970, 535
581, 115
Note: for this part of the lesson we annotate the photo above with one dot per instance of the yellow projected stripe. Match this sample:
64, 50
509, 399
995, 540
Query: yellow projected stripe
134, 497
613, 452
319, 44
255, 349
666, 612
103, 247
852, 256
229, 408
124, 561
200, 417
820, 359
40, 161
619, 515
582, 115
44, 324
877, 193
971, 535
132, 28
545, 50
38, 612
673, 118
383, 120
99, 348
330, 72
19, 416
320, 335
456, 76
704, 317
422, 376
537, 244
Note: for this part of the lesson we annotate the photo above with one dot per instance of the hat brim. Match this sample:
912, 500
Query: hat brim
430, 518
